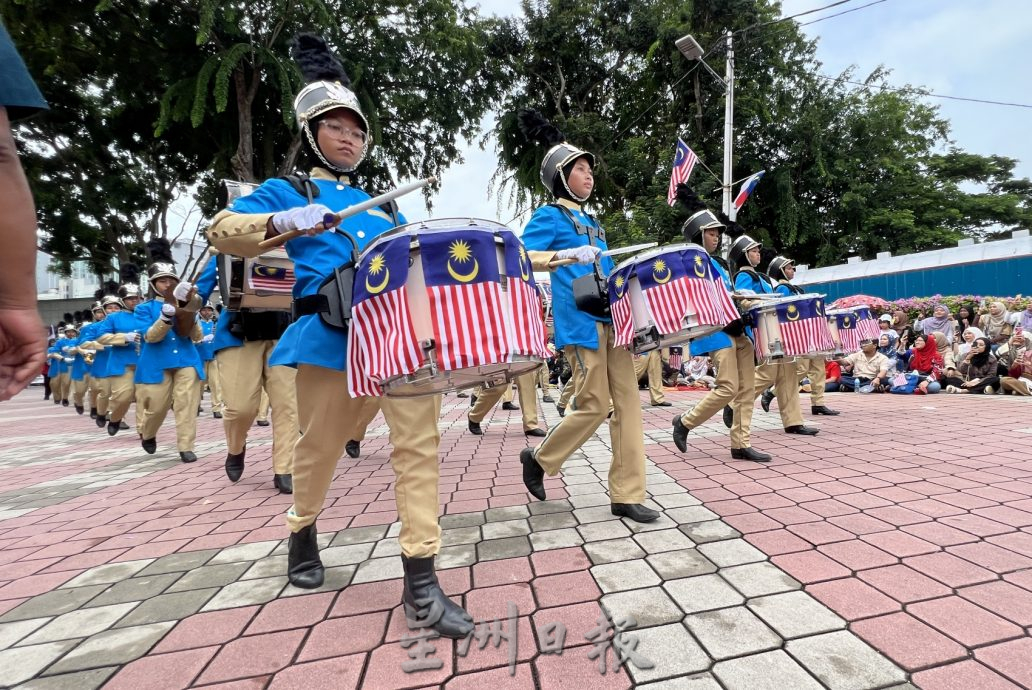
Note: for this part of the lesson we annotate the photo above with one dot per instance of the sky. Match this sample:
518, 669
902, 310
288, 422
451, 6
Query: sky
952, 47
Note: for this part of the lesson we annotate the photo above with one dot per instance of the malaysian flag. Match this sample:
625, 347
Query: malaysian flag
676, 357
467, 307
526, 317
265, 278
620, 306
804, 327
747, 188
848, 332
866, 324
713, 303
382, 341
684, 160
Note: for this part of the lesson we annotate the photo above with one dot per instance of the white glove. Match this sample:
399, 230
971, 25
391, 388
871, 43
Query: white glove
303, 218
583, 255
69, 360
167, 312
181, 290
66, 348
746, 291
208, 338
131, 336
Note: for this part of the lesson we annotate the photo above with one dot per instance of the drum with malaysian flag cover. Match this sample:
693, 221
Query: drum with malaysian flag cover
865, 323
844, 331
789, 327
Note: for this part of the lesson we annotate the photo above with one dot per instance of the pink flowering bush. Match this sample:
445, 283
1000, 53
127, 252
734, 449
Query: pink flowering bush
915, 305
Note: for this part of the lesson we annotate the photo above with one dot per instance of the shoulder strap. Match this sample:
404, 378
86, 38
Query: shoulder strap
592, 231
303, 185
391, 209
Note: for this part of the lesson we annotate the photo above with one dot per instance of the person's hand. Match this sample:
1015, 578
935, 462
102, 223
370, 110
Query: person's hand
132, 337
68, 360
208, 338
583, 255
182, 290
23, 349
312, 219
167, 312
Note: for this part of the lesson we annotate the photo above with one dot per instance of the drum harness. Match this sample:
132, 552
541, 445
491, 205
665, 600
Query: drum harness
591, 291
333, 300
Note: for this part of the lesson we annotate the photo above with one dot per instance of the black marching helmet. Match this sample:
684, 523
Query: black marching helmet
129, 276
736, 255
778, 264
328, 88
701, 218
110, 291
558, 161
162, 263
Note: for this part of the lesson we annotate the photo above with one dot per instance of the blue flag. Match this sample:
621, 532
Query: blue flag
459, 258
383, 268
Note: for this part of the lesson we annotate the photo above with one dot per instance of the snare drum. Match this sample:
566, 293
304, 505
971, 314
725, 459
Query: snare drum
668, 296
262, 283
865, 323
844, 331
468, 312
790, 327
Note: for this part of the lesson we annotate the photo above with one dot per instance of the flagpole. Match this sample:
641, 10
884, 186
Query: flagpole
729, 109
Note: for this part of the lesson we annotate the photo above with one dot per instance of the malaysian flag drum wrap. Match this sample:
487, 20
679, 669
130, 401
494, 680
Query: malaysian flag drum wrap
526, 326
866, 324
848, 331
804, 327
620, 306
680, 282
382, 341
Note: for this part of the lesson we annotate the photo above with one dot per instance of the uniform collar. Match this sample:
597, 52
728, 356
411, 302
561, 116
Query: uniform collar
572, 205
319, 173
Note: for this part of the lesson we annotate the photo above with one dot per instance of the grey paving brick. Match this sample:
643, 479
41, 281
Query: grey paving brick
135, 589
246, 593
590, 500
601, 531
560, 505
671, 650
119, 646
382, 549
335, 579
703, 593
179, 562
556, 539
456, 556
12, 633
795, 614
647, 607
699, 681
731, 632
270, 566
244, 552
617, 577
540, 523
586, 478
106, 574
686, 515
594, 514
711, 530
21, 663
394, 529
52, 603
731, 552
81, 623
359, 535
772, 670
495, 549
506, 513
673, 565
505, 528
378, 569
842, 661
169, 607
759, 579
663, 540
586, 488
352, 554
613, 550
461, 535
662, 523
83, 680
461, 520
221, 575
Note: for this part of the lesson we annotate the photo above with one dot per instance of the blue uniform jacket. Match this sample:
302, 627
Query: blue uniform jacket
59, 366
89, 333
206, 284
171, 352
308, 340
718, 340
550, 230
207, 350
121, 356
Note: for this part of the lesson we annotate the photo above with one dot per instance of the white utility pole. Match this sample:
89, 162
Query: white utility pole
729, 111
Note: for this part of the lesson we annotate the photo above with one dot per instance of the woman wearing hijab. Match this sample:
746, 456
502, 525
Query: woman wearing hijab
900, 322
945, 349
940, 321
978, 369
967, 337
967, 317
1025, 318
926, 361
1019, 362
997, 324
887, 346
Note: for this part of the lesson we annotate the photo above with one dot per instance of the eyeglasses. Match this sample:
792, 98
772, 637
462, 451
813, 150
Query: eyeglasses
339, 132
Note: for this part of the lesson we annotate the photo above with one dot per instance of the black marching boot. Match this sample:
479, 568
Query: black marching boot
426, 604
235, 465
101, 421
283, 482
353, 449
304, 569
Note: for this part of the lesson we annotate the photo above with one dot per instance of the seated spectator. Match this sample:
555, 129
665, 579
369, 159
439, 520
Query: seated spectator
900, 322
967, 317
867, 367
885, 324
967, 337
945, 348
1025, 318
697, 373
832, 376
1019, 357
926, 361
940, 321
977, 371
887, 346
998, 324
1011, 353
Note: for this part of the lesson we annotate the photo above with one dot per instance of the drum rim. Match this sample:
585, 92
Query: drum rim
658, 251
412, 228
771, 303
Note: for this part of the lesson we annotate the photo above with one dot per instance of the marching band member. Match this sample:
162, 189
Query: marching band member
91, 350
100, 376
730, 350
243, 342
79, 373
119, 332
487, 398
169, 367
652, 363
782, 269
370, 408
335, 134
207, 352
744, 256
60, 361
563, 230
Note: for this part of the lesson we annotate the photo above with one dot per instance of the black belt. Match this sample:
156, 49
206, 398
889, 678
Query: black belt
310, 304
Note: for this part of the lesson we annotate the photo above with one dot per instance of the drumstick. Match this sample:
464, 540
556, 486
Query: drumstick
212, 251
281, 239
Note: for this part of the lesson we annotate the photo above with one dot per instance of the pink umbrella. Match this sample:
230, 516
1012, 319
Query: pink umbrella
857, 300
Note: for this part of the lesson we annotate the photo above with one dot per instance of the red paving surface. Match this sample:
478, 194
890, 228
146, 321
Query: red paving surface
909, 517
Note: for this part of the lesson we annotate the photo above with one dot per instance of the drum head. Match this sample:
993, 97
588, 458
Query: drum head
423, 382
436, 225
657, 252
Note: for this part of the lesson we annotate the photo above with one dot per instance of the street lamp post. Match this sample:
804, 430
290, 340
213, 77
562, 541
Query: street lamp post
691, 49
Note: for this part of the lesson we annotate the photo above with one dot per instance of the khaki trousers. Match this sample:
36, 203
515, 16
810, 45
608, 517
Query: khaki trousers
329, 418
121, 396
653, 364
571, 386
246, 373
489, 397
736, 373
786, 388
604, 374
214, 381
103, 388
542, 379
263, 406
79, 389
370, 408
178, 385
813, 368
59, 386
95, 388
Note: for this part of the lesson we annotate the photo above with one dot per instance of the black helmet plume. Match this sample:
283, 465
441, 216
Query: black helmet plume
537, 128
98, 294
316, 60
68, 317
689, 199
129, 273
160, 250
110, 287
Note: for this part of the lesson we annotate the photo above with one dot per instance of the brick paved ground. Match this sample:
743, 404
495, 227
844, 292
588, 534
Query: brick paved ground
892, 549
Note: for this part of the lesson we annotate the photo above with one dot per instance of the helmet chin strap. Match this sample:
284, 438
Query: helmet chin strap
322, 158
566, 186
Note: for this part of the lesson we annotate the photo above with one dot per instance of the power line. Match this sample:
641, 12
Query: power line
800, 14
920, 92
839, 14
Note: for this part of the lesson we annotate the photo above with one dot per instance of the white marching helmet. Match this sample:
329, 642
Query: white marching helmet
557, 158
